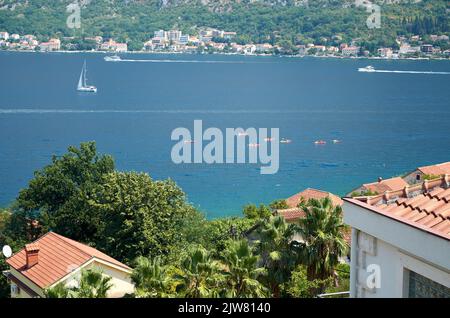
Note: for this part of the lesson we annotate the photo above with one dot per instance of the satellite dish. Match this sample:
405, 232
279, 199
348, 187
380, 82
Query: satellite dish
7, 251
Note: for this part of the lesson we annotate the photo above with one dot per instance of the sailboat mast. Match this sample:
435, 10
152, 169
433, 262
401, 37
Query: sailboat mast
84, 77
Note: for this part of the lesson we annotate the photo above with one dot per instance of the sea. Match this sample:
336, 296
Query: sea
387, 123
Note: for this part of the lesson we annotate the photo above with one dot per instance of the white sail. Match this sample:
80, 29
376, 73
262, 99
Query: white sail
85, 72
80, 81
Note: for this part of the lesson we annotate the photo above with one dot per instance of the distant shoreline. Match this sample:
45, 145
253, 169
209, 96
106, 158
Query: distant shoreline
236, 54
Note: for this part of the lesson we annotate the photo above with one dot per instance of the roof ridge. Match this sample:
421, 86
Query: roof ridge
63, 239
318, 190
23, 248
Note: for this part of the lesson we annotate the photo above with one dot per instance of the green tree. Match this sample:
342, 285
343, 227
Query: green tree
58, 291
300, 286
242, 271
92, 284
60, 191
150, 278
276, 251
201, 276
322, 230
138, 216
278, 205
251, 211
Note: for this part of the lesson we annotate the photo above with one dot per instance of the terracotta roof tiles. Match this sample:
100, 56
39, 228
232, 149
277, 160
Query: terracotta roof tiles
426, 205
291, 214
309, 193
392, 184
58, 256
437, 170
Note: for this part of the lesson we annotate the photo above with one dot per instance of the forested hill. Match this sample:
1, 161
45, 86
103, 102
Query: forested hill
274, 21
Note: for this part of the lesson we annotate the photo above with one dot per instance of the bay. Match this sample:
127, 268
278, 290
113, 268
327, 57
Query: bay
388, 123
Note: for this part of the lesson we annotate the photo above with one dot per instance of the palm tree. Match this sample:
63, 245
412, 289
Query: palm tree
242, 271
201, 276
150, 278
275, 248
322, 230
58, 291
92, 284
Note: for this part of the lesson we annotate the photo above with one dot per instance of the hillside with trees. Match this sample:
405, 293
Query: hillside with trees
285, 22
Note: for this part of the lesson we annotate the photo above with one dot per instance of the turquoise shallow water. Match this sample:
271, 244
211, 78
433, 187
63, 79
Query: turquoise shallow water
388, 123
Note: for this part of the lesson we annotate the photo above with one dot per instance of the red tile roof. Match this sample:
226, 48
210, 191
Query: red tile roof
437, 170
58, 256
392, 184
291, 214
309, 193
425, 206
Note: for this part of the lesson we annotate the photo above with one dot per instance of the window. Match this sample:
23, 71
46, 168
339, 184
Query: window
422, 287
15, 290
418, 177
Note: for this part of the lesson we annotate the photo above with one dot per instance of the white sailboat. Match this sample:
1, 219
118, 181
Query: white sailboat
82, 82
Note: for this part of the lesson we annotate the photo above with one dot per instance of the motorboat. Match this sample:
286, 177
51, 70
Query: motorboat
368, 69
114, 58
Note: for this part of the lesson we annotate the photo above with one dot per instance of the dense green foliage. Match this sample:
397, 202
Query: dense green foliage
324, 244
315, 21
138, 216
91, 284
61, 192
174, 249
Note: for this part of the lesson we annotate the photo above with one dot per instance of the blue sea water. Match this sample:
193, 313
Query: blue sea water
389, 123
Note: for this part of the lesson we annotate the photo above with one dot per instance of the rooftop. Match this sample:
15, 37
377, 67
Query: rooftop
425, 206
58, 256
309, 193
437, 170
392, 184
291, 214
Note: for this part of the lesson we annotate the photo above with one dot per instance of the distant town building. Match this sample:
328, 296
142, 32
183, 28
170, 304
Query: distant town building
97, 39
408, 49
385, 52
51, 45
320, 48
350, 51
420, 173
381, 186
4, 35
114, 46
426, 48
229, 35
183, 39
263, 48
14, 37
174, 36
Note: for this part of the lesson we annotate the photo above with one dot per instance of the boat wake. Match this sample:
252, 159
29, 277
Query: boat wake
410, 72
188, 61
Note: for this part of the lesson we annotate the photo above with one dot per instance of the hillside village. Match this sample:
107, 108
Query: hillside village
211, 40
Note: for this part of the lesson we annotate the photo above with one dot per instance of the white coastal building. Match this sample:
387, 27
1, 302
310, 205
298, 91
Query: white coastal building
401, 242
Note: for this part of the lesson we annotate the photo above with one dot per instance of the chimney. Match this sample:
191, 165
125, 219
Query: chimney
380, 179
425, 185
32, 254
